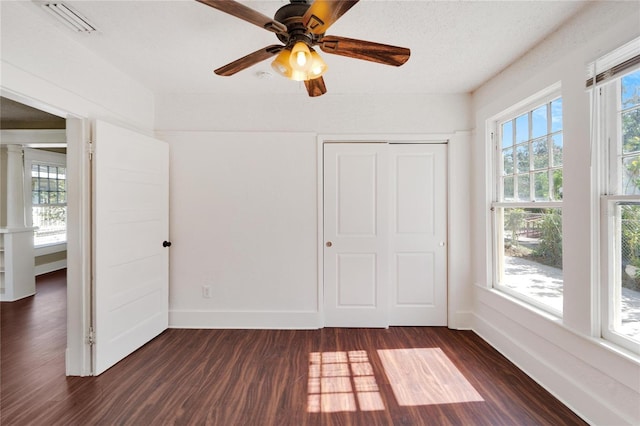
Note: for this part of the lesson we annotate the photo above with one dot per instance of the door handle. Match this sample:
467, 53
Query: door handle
329, 244
166, 244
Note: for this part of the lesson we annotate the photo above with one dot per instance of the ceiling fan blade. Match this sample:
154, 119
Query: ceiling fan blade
246, 13
323, 13
249, 60
316, 87
366, 50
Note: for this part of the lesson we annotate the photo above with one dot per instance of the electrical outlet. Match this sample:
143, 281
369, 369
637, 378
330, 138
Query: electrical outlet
206, 291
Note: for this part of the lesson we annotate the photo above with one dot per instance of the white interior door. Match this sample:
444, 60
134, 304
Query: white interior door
418, 234
131, 223
355, 229
385, 228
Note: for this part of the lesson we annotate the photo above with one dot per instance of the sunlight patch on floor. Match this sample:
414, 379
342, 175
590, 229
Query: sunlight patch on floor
342, 381
425, 377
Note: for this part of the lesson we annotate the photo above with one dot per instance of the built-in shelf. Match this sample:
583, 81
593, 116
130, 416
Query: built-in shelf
17, 277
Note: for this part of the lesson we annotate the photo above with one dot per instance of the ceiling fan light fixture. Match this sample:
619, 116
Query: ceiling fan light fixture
318, 66
299, 76
300, 58
281, 63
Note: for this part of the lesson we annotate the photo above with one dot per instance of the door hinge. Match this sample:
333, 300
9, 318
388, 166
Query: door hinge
91, 337
90, 150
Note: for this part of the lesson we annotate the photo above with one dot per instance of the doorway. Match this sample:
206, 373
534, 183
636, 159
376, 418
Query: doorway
34, 207
64, 129
385, 234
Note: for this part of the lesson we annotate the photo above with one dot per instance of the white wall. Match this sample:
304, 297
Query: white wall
599, 382
245, 194
243, 221
389, 114
42, 65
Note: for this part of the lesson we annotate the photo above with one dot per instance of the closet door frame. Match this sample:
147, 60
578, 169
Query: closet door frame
459, 247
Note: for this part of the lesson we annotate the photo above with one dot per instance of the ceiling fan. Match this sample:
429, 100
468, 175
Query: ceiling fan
300, 26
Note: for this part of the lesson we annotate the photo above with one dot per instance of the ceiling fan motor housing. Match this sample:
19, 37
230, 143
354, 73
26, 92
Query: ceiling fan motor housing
291, 16
300, 26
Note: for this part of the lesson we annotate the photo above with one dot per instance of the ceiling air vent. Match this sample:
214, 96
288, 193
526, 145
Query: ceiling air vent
69, 17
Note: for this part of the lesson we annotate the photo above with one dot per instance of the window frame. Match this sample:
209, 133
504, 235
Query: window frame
608, 119
42, 157
544, 97
612, 276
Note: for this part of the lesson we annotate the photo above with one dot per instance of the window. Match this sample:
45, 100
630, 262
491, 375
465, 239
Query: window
528, 202
48, 196
619, 118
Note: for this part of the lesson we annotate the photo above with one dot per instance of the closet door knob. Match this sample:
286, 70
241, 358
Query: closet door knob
166, 244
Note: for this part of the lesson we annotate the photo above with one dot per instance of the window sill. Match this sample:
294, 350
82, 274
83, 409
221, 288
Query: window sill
50, 248
608, 346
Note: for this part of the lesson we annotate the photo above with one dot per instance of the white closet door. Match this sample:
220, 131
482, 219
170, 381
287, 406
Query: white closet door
355, 229
385, 228
418, 234
131, 223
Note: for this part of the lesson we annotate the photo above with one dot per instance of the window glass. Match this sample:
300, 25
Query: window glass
630, 133
508, 188
532, 255
507, 158
541, 153
539, 122
507, 134
626, 318
522, 154
556, 141
522, 128
621, 323
524, 190
556, 188
528, 247
49, 198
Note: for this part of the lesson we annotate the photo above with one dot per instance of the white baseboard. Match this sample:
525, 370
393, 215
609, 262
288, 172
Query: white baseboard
5, 298
245, 320
50, 267
461, 320
539, 363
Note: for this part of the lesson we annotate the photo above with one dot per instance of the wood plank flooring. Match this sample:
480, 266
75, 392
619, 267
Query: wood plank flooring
250, 377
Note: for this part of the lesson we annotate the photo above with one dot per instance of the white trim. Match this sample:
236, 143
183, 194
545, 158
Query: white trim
32, 137
50, 248
542, 372
455, 319
539, 98
33, 155
529, 205
493, 150
278, 320
78, 353
320, 230
613, 58
50, 267
579, 370
607, 125
16, 230
610, 261
385, 138
38, 156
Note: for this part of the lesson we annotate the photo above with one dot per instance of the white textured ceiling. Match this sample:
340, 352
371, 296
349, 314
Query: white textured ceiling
173, 46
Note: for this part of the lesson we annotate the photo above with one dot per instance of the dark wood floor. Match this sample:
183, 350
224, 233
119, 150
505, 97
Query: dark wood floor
240, 377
